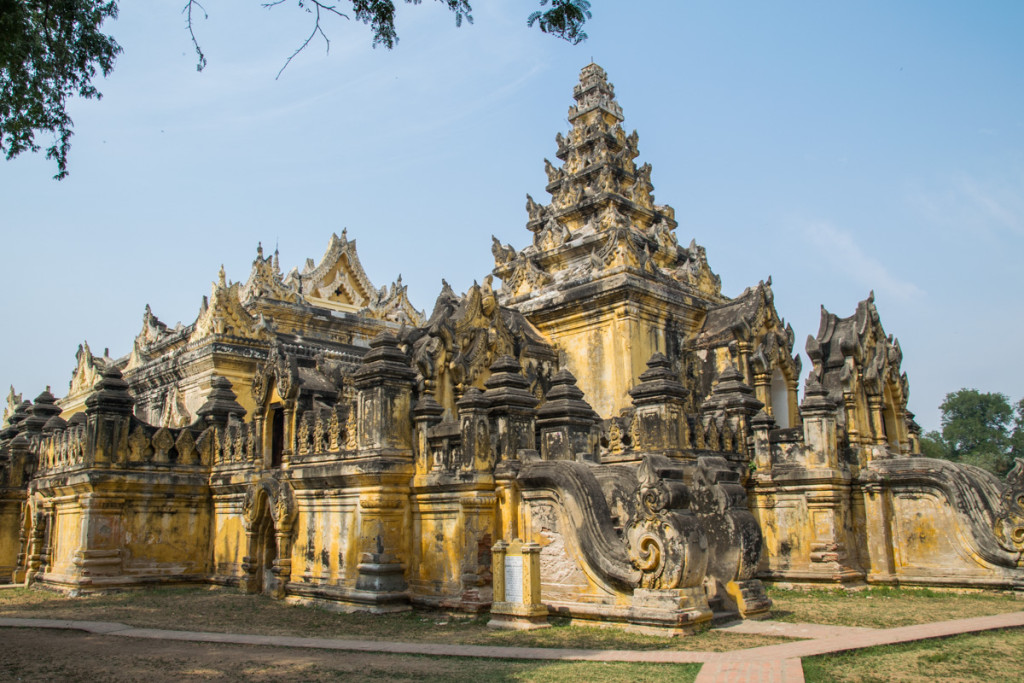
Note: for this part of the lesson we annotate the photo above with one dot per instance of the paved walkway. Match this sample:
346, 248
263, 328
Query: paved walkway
770, 663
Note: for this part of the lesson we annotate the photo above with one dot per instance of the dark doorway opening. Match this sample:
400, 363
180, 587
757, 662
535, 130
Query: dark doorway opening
277, 438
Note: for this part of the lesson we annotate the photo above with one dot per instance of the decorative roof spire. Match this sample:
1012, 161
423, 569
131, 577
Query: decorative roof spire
598, 187
594, 92
602, 218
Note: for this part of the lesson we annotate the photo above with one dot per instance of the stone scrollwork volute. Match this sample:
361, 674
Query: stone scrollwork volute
1009, 528
664, 540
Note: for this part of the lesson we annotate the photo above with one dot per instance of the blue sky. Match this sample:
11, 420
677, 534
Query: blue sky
837, 147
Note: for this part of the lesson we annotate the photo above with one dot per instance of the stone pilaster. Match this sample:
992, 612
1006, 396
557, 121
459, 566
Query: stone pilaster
761, 425
384, 385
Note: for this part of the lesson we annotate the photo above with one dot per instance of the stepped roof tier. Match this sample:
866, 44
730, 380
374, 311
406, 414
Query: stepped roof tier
602, 221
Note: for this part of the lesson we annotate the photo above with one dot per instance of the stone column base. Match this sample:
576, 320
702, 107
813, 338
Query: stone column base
750, 598
514, 616
675, 611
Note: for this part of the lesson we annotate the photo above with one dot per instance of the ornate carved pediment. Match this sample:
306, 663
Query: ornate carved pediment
339, 280
463, 338
850, 353
393, 304
88, 371
152, 329
692, 268
280, 369
271, 496
266, 282
225, 315
481, 335
859, 366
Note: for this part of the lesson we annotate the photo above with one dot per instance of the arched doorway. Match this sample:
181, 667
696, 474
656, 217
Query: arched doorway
265, 551
268, 513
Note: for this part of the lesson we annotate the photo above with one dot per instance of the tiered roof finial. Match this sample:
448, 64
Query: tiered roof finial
602, 217
594, 92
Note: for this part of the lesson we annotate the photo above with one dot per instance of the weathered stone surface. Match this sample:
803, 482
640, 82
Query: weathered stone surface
607, 408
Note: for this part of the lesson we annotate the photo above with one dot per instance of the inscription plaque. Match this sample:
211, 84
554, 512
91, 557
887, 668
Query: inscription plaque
514, 579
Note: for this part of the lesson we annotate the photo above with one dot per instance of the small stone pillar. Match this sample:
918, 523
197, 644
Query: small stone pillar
736, 400
220, 408
40, 413
761, 425
22, 461
516, 583
108, 413
15, 423
566, 421
37, 547
819, 415
384, 384
221, 404
660, 401
512, 412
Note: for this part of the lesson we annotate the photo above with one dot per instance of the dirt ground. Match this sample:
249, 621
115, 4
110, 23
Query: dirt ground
52, 655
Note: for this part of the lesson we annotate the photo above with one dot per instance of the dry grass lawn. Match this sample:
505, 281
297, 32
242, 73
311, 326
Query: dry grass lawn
73, 656
223, 610
997, 655
980, 657
886, 607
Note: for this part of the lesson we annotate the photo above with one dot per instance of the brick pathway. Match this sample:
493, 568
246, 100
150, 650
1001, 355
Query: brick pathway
773, 671
769, 663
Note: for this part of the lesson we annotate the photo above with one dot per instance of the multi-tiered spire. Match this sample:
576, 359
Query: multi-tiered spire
602, 217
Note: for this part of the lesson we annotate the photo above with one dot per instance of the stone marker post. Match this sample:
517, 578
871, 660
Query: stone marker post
516, 584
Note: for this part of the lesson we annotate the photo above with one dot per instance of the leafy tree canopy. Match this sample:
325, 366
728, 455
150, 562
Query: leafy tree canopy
50, 50
981, 429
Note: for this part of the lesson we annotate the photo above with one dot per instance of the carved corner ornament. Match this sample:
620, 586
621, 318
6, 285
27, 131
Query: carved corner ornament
665, 541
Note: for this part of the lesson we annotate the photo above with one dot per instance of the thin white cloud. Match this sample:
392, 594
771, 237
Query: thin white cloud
993, 203
983, 208
839, 249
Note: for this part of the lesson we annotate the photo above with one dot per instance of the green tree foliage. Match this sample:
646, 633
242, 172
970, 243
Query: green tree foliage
980, 429
50, 50
1017, 438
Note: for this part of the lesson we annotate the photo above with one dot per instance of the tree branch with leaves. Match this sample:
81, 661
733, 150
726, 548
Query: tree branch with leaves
51, 50
49, 53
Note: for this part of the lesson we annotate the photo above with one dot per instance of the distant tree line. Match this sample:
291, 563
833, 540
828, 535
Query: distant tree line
982, 429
